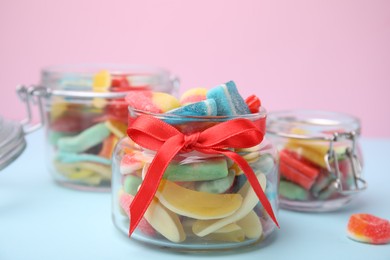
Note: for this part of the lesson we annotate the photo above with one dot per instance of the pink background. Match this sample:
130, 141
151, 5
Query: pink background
332, 55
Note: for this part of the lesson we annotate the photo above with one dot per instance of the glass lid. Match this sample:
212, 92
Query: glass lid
12, 142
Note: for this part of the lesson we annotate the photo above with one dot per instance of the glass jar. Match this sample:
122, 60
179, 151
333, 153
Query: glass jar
84, 113
204, 200
320, 158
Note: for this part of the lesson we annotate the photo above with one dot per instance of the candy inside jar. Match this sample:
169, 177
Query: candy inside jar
202, 171
320, 158
84, 112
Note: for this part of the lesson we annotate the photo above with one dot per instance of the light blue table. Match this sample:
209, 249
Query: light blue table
41, 220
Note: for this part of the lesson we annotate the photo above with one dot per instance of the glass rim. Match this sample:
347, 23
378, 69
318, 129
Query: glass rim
261, 114
81, 68
314, 118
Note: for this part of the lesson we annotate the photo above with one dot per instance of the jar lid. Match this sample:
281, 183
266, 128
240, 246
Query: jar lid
12, 141
317, 123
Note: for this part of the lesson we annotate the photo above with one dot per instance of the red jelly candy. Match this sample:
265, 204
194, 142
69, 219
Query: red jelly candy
370, 229
254, 103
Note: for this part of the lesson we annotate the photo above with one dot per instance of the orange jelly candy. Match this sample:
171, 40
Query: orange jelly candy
370, 229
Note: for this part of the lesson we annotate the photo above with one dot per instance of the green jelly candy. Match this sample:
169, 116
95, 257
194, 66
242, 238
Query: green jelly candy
211, 169
218, 185
85, 140
131, 184
292, 191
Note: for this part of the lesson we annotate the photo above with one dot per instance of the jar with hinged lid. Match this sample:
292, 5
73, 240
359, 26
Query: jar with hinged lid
195, 183
320, 158
84, 113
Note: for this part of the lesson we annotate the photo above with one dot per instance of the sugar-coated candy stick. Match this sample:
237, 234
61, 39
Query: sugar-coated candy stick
368, 228
296, 170
229, 101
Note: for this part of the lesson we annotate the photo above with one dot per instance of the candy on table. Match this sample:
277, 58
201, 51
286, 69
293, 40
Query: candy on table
292, 191
368, 228
297, 170
154, 102
229, 101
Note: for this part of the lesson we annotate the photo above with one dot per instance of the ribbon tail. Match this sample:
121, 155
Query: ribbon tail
152, 179
251, 176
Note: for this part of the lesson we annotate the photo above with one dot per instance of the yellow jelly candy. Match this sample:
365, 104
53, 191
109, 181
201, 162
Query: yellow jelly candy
312, 150
164, 101
204, 227
101, 83
195, 204
165, 222
229, 233
117, 128
251, 225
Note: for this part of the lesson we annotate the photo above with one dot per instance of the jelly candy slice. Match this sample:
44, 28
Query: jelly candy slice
368, 228
195, 204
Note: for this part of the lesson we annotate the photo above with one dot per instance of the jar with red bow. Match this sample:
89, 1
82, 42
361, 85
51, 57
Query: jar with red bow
195, 183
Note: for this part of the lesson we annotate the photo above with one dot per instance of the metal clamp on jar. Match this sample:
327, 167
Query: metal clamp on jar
320, 158
84, 112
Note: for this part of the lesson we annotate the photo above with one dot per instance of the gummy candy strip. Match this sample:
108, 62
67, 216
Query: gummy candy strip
154, 134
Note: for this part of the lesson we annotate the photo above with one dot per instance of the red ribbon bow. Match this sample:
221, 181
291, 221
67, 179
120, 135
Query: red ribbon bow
154, 134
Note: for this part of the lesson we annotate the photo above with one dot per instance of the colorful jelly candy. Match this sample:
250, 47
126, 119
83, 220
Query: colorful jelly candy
368, 228
201, 198
83, 132
193, 95
229, 101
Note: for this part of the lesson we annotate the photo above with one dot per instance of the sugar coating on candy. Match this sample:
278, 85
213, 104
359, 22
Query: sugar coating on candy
130, 163
253, 103
368, 228
193, 95
206, 107
229, 101
154, 102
